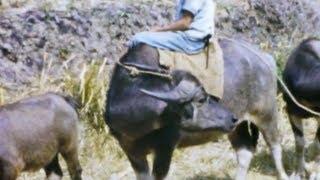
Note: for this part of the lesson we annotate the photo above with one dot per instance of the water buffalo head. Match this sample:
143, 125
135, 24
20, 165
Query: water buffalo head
198, 111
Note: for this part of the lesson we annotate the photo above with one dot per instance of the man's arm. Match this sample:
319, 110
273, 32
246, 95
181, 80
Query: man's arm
180, 25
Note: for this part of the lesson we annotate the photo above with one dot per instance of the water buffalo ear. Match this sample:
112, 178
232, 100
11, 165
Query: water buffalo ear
183, 92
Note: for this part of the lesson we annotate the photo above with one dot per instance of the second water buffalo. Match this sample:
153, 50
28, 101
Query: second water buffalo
302, 76
34, 131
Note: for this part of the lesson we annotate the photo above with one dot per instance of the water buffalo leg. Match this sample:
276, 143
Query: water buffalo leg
268, 125
162, 162
136, 154
317, 143
53, 168
297, 128
166, 142
140, 166
74, 167
7, 171
316, 170
244, 144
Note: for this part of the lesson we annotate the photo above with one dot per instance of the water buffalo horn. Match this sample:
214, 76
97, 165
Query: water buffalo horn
183, 92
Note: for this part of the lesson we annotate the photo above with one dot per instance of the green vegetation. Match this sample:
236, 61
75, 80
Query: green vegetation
90, 90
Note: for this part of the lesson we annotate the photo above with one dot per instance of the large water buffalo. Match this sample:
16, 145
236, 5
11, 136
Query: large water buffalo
34, 131
150, 120
302, 76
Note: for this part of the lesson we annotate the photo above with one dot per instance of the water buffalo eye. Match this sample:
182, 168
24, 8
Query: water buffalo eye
202, 100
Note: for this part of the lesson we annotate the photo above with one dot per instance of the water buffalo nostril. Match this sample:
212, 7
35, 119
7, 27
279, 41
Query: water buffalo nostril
234, 120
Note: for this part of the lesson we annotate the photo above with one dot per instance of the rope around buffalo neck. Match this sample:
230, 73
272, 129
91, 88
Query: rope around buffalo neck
134, 71
284, 86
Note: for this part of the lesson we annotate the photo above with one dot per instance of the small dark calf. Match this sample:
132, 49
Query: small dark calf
34, 131
302, 76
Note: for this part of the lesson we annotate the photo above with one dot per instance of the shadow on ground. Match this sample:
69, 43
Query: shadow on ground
264, 164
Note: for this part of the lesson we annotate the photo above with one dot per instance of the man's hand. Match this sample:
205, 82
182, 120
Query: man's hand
180, 25
156, 29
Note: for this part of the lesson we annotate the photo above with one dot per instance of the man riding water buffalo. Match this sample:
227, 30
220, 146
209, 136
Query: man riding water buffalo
194, 23
146, 112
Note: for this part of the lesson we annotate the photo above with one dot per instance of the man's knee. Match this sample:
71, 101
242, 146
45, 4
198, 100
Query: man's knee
138, 38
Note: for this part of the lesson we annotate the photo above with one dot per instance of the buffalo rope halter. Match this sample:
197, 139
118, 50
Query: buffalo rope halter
135, 71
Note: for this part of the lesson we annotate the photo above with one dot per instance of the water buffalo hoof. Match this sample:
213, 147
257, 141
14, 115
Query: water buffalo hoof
296, 176
315, 171
315, 176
